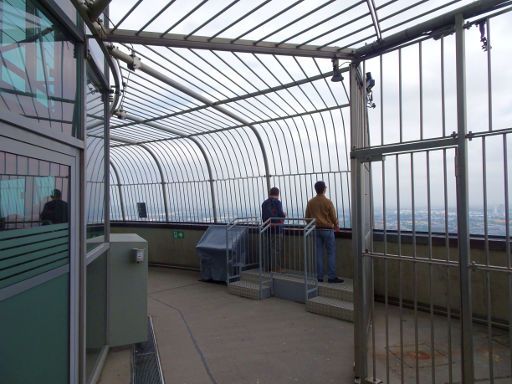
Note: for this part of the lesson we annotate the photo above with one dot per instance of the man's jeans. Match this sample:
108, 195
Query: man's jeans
273, 245
325, 239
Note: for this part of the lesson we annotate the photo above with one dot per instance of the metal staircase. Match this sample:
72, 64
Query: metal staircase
333, 300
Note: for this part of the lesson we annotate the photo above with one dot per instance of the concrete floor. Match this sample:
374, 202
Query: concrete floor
117, 368
205, 335
431, 346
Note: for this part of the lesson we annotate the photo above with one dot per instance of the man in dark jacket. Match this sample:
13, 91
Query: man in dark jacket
272, 210
56, 210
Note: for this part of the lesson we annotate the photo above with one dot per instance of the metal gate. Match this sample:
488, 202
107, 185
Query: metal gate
433, 299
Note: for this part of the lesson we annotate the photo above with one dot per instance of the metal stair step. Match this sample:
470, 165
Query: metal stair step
328, 306
253, 275
341, 291
249, 289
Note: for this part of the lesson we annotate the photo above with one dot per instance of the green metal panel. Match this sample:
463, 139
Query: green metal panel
53, 247
34, 335
128, 290
33, 264
31, 273
26, 240
29, 252
28, 249
32, 231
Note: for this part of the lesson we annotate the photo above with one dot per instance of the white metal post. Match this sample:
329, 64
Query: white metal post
461, 173
357, 132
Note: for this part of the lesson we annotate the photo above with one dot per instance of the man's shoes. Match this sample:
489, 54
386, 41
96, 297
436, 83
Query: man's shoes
320, 280
335, 280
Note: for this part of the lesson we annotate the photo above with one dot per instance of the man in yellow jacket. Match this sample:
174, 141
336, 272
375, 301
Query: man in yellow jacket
322, 210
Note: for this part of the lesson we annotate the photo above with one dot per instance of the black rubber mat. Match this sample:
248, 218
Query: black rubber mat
146, 364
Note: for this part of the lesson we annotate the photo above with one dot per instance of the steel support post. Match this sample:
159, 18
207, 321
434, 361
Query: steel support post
357, 135
461, 173
106, 148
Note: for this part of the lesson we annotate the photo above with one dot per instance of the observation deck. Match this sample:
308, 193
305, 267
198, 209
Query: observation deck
169, 119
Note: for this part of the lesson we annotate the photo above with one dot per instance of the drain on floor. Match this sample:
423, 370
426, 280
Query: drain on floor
146, 362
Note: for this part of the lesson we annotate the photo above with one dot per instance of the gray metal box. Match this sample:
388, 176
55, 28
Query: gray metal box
127, 305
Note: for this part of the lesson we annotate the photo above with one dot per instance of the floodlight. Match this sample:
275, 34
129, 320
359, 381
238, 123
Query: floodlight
370, 82
336, 76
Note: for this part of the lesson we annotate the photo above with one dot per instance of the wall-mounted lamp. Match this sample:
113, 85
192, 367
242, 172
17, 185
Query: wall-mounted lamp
336, 76
370, 83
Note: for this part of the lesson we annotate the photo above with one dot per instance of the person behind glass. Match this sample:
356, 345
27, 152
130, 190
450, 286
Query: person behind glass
322, 210
56, 210
272, 209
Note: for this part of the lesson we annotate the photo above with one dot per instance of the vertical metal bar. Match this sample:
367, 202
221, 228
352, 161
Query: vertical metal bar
400, 292
400, 92
415, 270
360, 337
420, 53
507, 237
486, 235
374, 355
446, 232
386, 293
260, 261
463, 207
306, 280
78, 273
228, 271
443, 101
487, 262
489, 72
430, 285
381, 102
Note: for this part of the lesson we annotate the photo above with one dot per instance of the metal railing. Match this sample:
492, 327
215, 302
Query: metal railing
310, 272
288, 248
242, 247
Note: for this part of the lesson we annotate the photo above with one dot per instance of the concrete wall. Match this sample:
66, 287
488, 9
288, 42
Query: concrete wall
440, 284
165, 249
436, 284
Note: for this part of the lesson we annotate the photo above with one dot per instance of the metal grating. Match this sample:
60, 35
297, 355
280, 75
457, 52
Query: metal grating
146, 362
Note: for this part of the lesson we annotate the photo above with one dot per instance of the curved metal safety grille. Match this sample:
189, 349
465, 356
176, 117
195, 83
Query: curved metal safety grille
208, 149
239, 95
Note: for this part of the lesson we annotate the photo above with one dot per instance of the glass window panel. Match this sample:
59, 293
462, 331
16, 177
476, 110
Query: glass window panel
35, 240
95, 164
68, 8
96, 311
38, 70
27, 193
